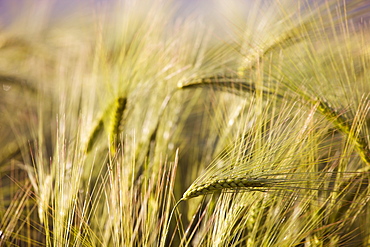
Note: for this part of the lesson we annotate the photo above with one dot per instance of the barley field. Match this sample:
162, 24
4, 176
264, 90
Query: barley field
185, 123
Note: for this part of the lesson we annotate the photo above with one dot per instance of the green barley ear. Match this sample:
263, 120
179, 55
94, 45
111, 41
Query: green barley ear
112, 116
345, 126
296, 33
228, 83
99, 127
239, 85
233, 184
94, 135
116, 121
284, 41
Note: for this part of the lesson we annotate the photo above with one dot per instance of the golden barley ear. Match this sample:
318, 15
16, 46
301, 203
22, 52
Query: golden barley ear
116, 121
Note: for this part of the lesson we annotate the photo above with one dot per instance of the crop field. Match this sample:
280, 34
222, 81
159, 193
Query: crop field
185, 123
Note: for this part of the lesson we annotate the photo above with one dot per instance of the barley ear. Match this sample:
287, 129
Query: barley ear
288, 38
235, 184
228, 83
344, 125
116, 121
94, 135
